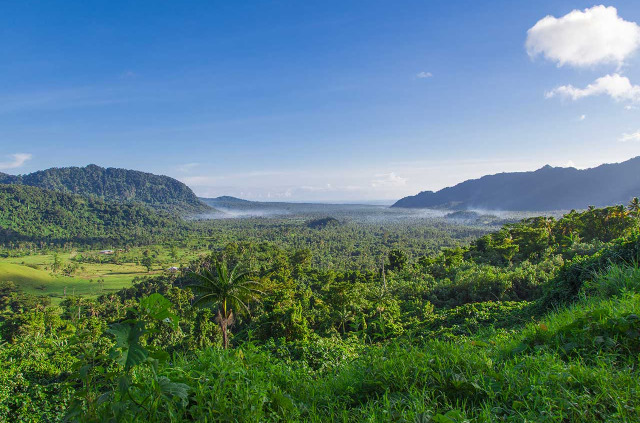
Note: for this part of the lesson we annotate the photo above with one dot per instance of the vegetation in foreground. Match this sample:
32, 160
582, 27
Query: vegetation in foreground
535, 322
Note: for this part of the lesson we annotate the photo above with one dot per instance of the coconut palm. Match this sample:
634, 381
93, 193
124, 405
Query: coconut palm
226, 291
634, 206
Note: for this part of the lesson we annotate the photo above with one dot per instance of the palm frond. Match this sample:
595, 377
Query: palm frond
205, 299
239, 301
219, 286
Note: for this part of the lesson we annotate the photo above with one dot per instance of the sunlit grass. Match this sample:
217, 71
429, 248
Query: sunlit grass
33, 275
531, 374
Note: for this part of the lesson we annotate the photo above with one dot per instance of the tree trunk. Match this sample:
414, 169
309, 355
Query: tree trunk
225, 338
224, 322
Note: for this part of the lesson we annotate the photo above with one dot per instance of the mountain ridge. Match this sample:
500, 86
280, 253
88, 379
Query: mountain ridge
114, 184
547, 188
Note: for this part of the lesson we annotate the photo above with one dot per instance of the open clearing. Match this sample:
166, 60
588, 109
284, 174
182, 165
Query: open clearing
32, 275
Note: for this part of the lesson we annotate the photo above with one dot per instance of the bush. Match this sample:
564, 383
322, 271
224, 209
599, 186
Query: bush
470, 318
571, 277
619, 279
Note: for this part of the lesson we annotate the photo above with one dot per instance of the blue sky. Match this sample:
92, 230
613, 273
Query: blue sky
322, 101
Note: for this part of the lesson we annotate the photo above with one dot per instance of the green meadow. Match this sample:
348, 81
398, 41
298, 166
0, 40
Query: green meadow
33, 275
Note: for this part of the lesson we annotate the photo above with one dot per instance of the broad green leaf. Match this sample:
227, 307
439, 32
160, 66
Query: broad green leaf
123, 384
128, 351
174, 389
158, 307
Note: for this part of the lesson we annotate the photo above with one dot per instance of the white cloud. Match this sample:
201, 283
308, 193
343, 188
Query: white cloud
18, 160
634, 137
616, 86
287, 193
209, 180
424, 75
388, 180
584, 38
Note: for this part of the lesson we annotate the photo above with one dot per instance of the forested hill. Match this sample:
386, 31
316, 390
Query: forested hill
548, 188
35, 214
8, 179
230, 202
111, 184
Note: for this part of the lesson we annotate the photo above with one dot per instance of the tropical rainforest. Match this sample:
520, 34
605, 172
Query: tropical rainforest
319, 317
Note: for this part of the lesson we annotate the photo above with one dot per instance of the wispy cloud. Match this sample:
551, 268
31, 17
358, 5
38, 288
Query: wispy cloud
60, 99
388, 180
187, 167
209, 180
423, 75
17, 160
615, 86
322, 188
633, 137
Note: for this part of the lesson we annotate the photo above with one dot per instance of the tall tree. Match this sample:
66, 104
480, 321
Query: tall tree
634, 207
147, 260
225, 290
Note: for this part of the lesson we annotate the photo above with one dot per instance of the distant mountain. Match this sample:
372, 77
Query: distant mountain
230, 199
31, 213
227, 201
111, 184
548, 188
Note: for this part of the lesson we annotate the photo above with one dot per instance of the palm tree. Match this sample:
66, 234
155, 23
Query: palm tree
634, 207
226, 291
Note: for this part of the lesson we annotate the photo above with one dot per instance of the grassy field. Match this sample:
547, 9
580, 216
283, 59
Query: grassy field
40, 282
33, 275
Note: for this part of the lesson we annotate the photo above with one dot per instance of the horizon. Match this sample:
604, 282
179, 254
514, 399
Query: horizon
347, 103
367, 201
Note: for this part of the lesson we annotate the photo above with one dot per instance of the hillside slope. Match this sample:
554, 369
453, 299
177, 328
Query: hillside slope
548, 188
112, 184
31, 213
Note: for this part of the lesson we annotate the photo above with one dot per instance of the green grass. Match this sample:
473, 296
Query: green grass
40, 282
43, 282
576, 364
32, 273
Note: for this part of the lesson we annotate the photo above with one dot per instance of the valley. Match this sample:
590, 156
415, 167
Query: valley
457, 314
325, 212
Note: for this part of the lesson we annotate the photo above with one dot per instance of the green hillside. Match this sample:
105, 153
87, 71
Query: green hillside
30, 213
27, 278
41, 282
119, 185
